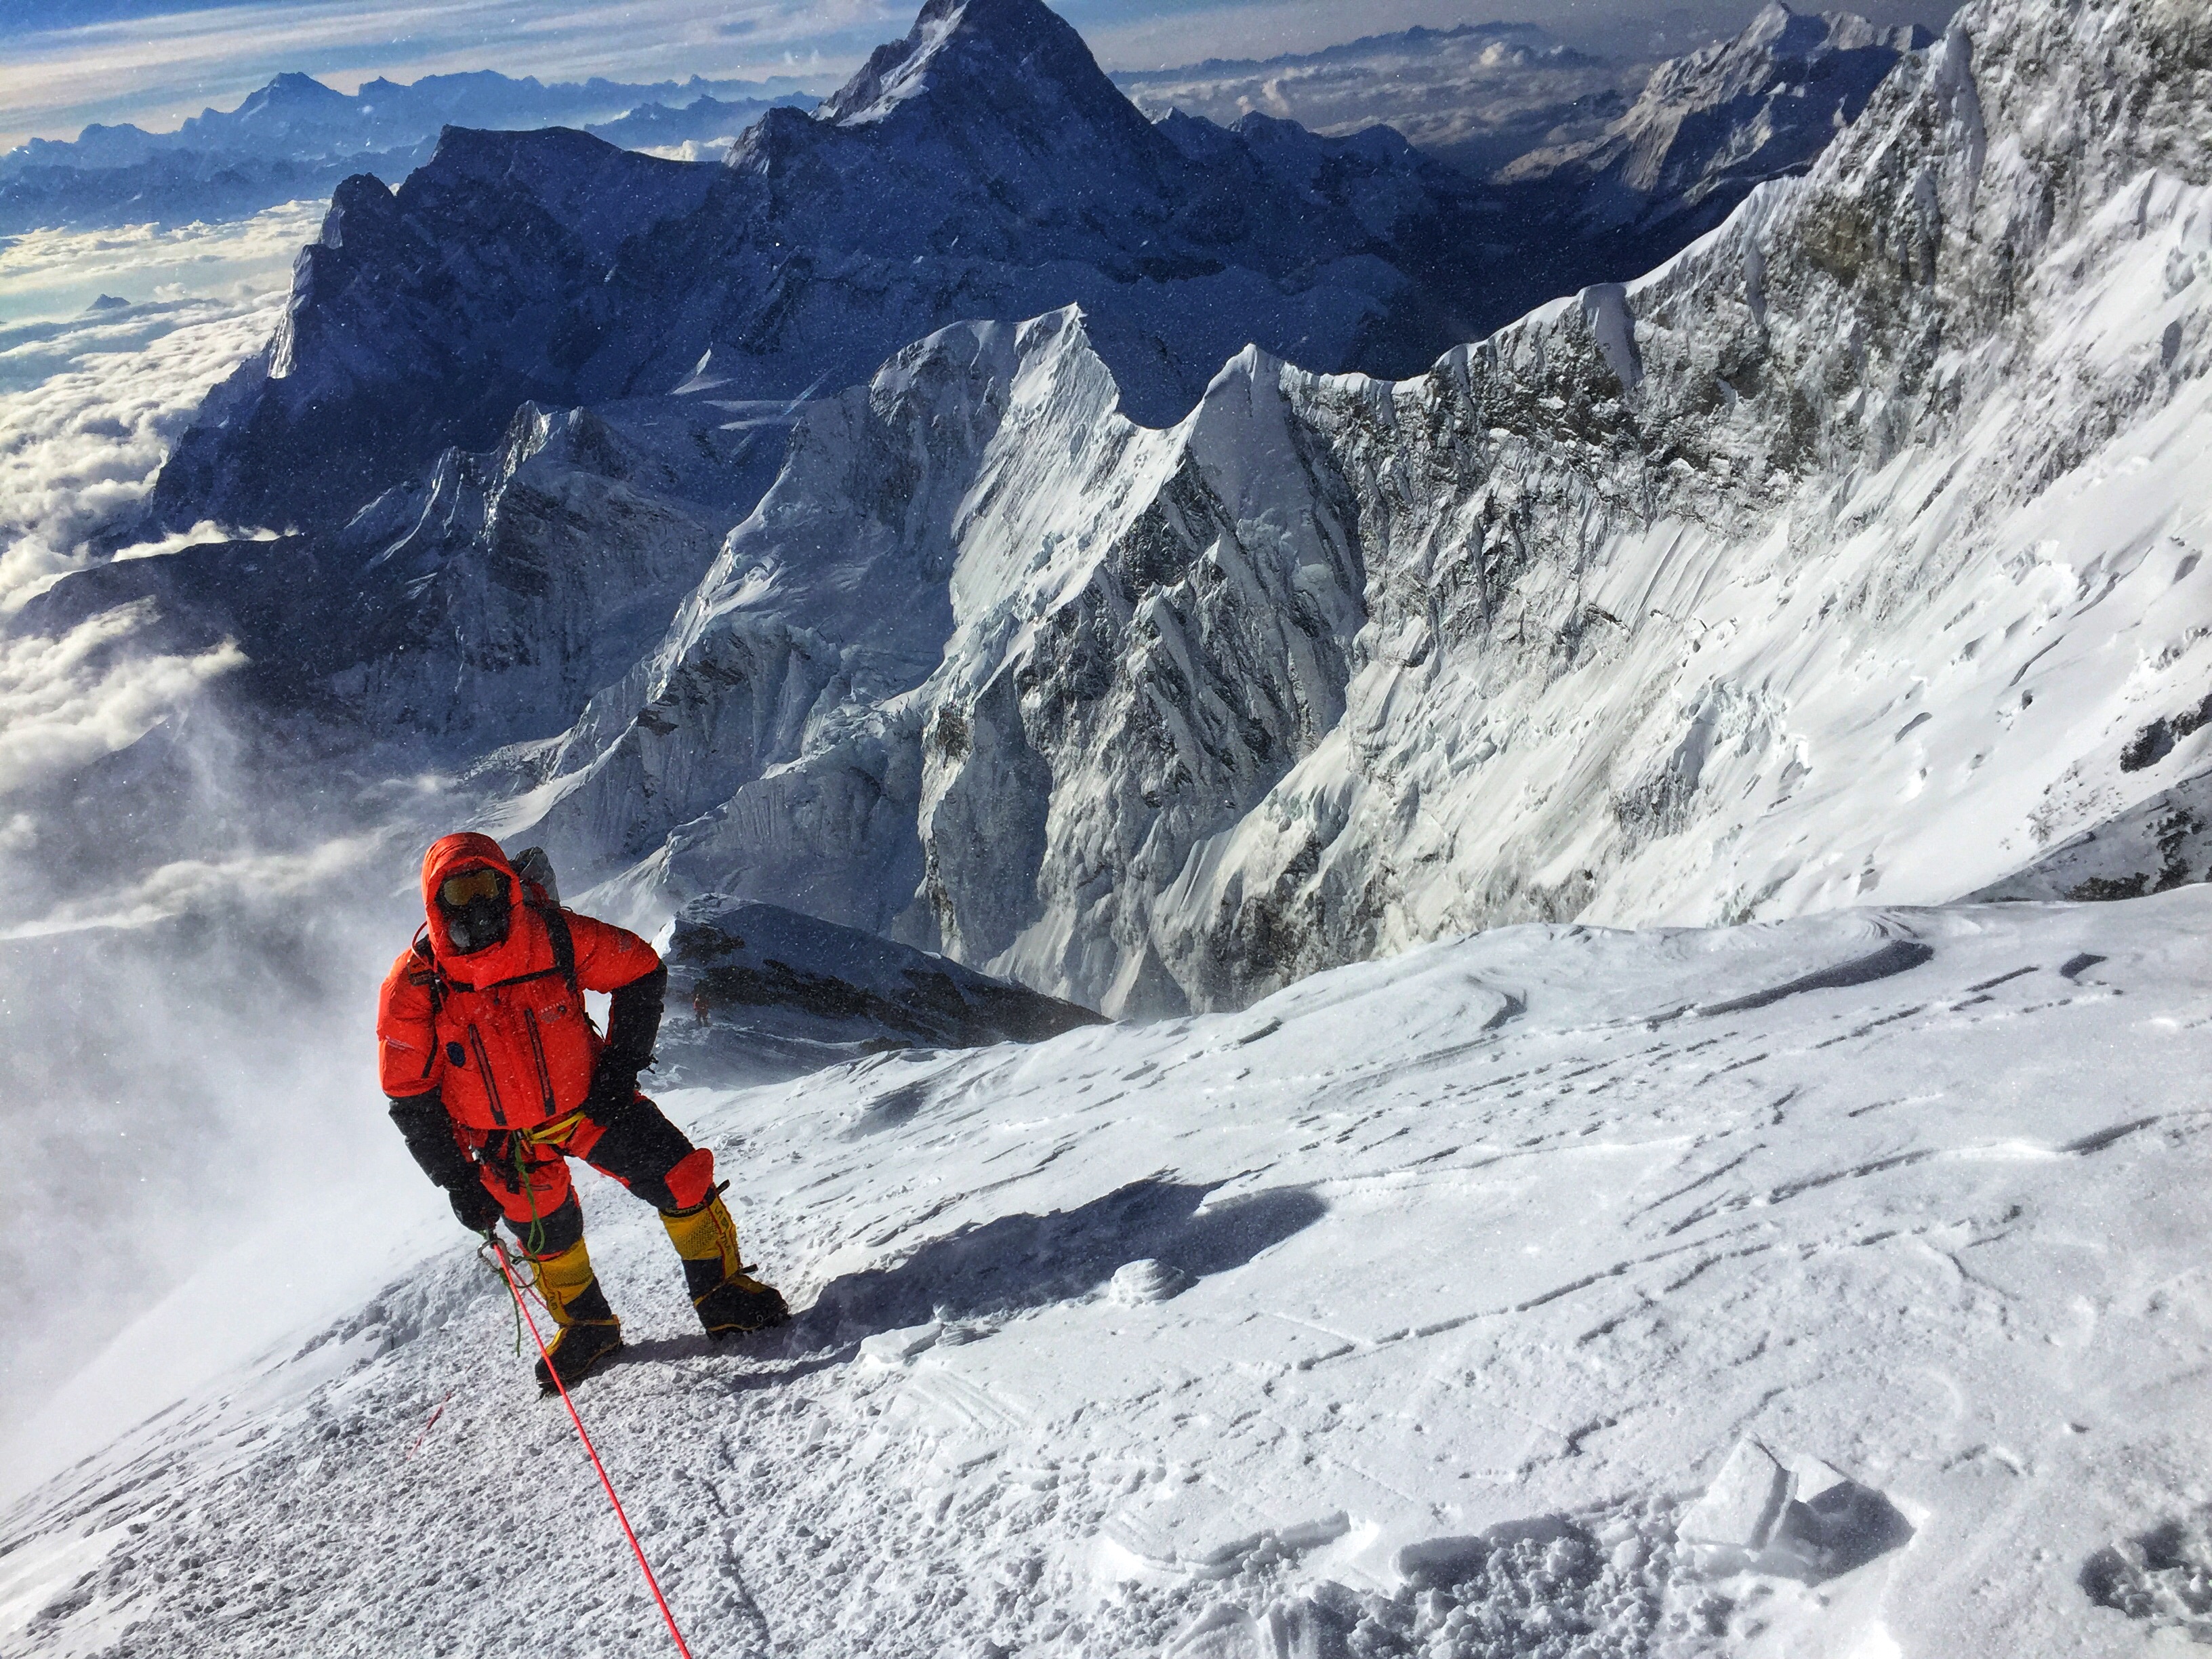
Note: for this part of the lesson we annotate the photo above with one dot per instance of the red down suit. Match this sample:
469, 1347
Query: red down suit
500, 1038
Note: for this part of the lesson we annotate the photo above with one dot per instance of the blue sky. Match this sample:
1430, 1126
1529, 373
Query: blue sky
64, 62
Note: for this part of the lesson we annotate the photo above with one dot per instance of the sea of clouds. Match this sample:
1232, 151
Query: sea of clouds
188, 959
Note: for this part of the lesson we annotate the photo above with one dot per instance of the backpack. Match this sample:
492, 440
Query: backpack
533, 867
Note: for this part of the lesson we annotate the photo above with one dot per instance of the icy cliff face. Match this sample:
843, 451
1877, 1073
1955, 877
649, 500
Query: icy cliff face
1839, 553
982, 167
988, 662
1848, 551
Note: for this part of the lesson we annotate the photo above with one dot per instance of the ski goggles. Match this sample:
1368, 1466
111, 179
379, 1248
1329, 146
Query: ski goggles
471, 887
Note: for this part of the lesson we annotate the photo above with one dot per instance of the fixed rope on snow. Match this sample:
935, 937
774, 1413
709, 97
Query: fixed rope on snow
514, 1289
430, 1425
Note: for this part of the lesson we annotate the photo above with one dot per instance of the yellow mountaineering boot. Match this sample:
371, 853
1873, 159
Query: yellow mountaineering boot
729, 1299
589, 1332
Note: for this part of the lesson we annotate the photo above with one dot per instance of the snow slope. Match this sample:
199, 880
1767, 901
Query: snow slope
1410, 1311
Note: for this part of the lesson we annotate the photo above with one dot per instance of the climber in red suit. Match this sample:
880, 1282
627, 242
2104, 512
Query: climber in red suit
497, 1077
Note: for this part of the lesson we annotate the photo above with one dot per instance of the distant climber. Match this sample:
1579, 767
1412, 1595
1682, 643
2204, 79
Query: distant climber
701, 1008
496, 1076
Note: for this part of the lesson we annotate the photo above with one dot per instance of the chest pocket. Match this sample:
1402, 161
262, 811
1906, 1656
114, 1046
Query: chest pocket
560, 1047
510, 1052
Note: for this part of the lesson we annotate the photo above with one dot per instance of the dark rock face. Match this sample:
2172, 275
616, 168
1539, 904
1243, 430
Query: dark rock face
386, 352
484, 602
772, 992
982, 167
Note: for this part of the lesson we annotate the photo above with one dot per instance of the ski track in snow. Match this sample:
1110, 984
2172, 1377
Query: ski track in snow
1169, 1337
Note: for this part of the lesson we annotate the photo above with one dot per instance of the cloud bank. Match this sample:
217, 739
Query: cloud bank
69, 700
90, 406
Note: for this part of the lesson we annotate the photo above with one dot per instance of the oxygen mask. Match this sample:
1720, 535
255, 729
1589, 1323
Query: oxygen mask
475, 908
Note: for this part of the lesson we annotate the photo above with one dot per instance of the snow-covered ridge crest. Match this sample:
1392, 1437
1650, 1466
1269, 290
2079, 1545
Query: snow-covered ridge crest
1768, 580
940, 649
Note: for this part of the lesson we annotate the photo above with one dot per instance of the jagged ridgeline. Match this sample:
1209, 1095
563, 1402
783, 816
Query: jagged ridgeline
983, 167
1788, 573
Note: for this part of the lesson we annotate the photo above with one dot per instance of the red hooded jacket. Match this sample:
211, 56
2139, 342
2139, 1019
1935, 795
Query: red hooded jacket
498, 1033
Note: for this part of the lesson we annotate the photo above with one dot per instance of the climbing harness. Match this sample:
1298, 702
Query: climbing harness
514, 1289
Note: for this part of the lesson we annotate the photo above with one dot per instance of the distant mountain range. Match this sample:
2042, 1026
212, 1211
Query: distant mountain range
1483, 98
296, 138
1477, 96
982, 167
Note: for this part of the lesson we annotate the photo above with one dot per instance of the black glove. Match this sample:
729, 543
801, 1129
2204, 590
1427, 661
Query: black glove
475, 1208
614, 1086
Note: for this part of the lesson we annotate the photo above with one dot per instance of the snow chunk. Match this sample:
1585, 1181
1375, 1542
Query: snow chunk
1739, 1509
891, 1349
1141, 1282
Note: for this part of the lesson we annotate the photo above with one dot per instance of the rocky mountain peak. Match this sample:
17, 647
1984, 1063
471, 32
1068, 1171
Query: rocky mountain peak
1710, 126
1785, 32
1014, 64
1775, 51
292, 90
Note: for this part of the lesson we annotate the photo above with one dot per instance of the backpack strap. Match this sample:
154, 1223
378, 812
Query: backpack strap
429, 976
564, 944
434, 981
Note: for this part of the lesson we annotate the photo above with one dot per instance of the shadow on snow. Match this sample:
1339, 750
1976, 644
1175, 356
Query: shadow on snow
1019, 1261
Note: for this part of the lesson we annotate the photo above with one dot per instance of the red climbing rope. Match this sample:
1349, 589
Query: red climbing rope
430, 1425
514, 1289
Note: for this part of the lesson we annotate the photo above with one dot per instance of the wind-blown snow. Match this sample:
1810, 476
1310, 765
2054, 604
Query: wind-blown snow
1415, 1306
